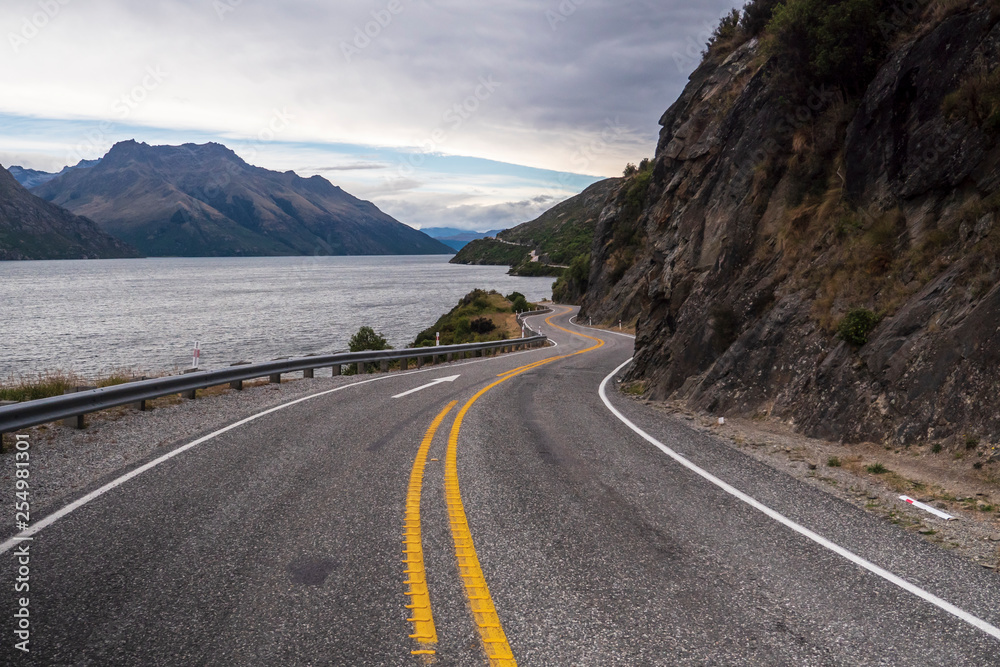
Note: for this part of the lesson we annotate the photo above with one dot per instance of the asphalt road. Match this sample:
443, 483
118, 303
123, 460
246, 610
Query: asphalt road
281, 542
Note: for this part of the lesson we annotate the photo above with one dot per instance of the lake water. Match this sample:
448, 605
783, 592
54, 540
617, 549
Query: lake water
93, 316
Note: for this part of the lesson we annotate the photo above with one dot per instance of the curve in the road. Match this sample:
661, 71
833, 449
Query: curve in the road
477, 591
28, 533
798, 528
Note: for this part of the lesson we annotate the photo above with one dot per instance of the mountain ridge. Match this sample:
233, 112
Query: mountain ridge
204, 200
31, 228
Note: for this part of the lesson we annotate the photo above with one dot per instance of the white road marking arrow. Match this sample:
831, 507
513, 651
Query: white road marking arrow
450, 378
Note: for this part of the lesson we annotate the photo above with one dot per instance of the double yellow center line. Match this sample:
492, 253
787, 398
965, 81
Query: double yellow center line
477, 591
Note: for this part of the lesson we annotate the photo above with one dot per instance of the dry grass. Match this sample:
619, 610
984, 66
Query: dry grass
56, 383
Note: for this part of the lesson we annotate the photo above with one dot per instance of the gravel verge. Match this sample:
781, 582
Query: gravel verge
66, 462
945, 479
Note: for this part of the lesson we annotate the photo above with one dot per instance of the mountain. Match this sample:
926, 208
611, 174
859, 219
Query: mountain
817, 239
557, 237
31, 178
31, 228
203, 200
456, 238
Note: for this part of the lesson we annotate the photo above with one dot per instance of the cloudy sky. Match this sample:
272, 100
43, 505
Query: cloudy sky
443, 112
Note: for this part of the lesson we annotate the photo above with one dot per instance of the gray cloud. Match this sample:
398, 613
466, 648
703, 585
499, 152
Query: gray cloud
477, 217
579, 84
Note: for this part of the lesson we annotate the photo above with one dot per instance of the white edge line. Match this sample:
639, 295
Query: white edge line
35, 528
802, 530
616, 333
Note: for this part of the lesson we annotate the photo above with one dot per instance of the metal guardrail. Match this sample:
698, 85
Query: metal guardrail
32, 413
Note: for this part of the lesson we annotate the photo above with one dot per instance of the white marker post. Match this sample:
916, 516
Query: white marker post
197, 354
927, 508
437, 338
522, 331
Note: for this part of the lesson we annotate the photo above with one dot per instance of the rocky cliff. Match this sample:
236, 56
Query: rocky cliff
31, 228
772, 224
204, 200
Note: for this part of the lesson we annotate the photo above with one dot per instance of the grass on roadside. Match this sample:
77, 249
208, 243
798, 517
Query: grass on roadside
55, 383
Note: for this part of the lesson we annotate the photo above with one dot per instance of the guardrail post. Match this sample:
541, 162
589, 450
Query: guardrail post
404, 364
237, 385
384, 366
76, 421
190, 394
420, 362
274, 378
449, 357
308, 374
361, 368
140, 405
336, 370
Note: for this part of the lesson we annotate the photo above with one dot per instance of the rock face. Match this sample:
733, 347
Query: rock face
31, 228
203, 200
763, 224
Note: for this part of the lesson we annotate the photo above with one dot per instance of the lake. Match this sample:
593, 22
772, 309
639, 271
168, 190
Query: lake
94, 316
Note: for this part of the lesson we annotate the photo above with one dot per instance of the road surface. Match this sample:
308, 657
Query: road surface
517, 516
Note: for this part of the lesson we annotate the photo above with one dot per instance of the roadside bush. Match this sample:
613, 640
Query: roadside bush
368, 339
856, 325
514, 296
520, 303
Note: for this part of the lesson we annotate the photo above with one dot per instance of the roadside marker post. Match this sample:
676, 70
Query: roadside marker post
197, 354
927, 508
437, 338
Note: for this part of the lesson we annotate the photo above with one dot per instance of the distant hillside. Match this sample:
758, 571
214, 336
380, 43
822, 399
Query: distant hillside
32, 178
203, 200
31, 228
456, 238
560, 235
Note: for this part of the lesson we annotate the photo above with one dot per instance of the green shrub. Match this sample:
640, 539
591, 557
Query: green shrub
833, 462
856, 325
976, 100
756, 15
877, 469
520, 304
368, 339
482, 325
635, 196
834, 42
936, 448
571, 286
